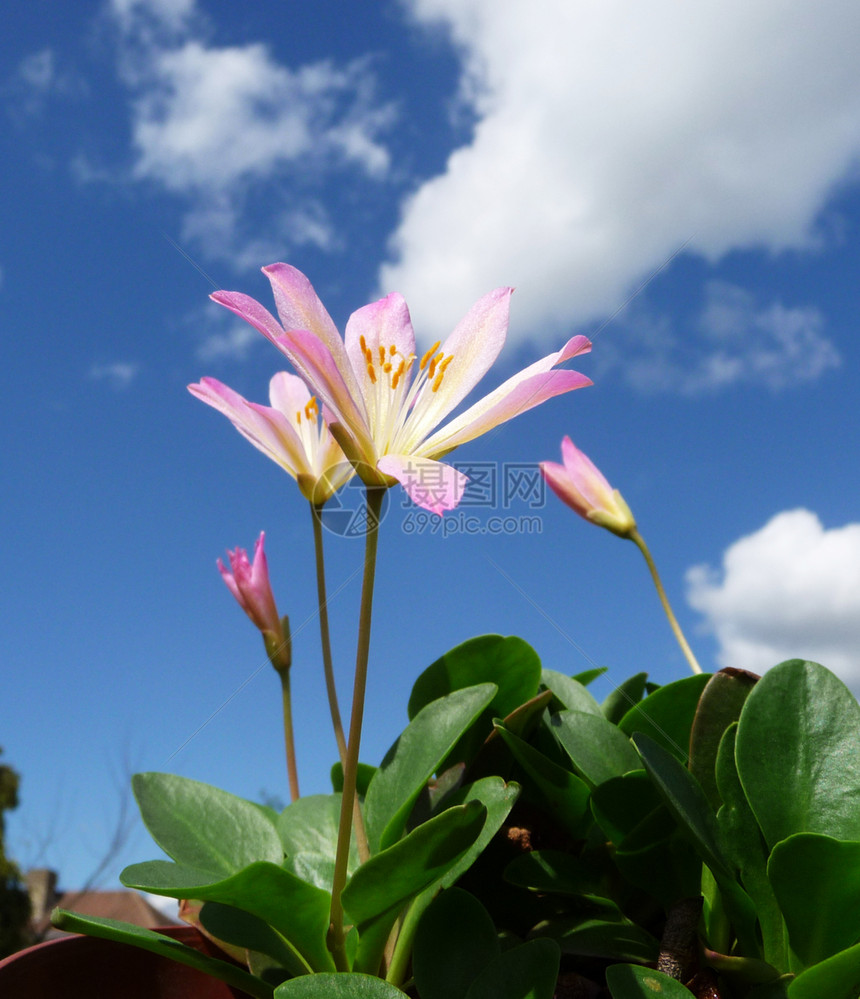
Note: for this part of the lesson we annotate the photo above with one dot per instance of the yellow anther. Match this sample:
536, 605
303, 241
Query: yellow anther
387, 367
362, 343
428, 355
371, 373
440, 374
392, 350
396, 377
432, 369
381, 354
298, 416
311, 409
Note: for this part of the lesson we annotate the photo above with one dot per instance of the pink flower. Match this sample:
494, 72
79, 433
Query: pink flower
249, 584
580, 484
289, 432
386, 400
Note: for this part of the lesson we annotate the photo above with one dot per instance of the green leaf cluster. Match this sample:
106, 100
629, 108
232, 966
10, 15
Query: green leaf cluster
520, 830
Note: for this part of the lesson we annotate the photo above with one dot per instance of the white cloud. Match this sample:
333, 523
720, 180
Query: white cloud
36, 80
609, 133
789, 590
734, 340
218, 125
119, 374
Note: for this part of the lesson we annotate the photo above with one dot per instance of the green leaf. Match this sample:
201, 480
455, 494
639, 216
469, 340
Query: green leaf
563, 794
625, 696
629, 981
620, 804
455, 940
613, 940
657, 857
510, 663
836, 978
686, 800
745, 849
553, 872
498, 798
597, 748
308, 829
529, 971
413, 759
814, 874
157, 943
720, 705
296, 909
204, 827
362, 780
569, 692
666, 716
241, 929
589, 675
351, 986
380, 888
798, 753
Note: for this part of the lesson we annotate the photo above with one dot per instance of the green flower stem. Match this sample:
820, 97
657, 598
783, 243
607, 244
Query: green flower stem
328, 670
337, 941
289, 740
638, 540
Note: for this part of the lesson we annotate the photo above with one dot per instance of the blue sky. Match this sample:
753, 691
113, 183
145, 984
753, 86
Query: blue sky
679, 184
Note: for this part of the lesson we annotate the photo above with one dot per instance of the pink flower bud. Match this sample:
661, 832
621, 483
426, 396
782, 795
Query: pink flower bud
249, 584
580, 484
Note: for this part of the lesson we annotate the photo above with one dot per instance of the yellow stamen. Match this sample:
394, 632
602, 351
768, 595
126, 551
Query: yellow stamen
381, 354
396, 377
311, 409
428, 355
362, 343
298, 416
371, 373
432, 369
392, 350
440, 374
387, 367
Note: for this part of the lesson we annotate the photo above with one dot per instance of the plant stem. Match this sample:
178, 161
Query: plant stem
289, 741
350, 771
328, 670
638, 540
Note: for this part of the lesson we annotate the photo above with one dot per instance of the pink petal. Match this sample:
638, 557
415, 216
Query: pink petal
288, 393
474, 344
267, 429
251, 311
382, 324
586, 477
318, 368
515, 396
300, 308
558, 479
432, 485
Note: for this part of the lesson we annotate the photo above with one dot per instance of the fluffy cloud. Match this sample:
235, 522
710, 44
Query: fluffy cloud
222, 125
119, 374
734, 340
608, 134
791, 589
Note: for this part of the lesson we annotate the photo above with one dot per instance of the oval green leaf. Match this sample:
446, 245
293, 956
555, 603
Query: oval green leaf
798, 753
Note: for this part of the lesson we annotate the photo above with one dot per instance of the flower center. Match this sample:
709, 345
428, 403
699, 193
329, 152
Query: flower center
395, 407
307, 420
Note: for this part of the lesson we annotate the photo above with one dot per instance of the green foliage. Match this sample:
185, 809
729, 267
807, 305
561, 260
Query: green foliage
517, 824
